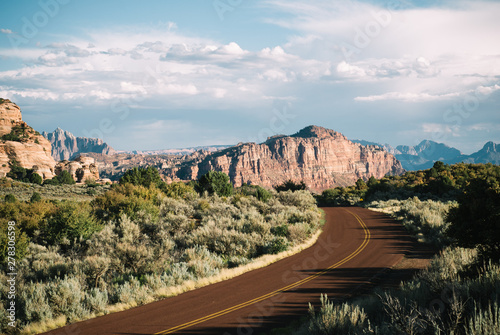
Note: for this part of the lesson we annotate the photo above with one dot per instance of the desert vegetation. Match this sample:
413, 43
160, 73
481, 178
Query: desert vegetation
140, 241
457, 209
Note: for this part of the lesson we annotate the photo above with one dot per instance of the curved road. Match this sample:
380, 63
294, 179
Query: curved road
357, 245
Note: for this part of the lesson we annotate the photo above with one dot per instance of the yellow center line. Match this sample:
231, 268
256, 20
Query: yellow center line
283, 289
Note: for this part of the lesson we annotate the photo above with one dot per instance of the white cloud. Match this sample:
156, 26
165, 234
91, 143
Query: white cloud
436, 128
5, 31
348, 70
408, 97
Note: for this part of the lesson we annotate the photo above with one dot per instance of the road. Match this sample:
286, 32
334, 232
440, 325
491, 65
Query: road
356, 247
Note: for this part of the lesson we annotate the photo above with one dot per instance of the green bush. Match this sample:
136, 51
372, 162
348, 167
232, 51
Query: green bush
63, 178
24, 175
35, 197
71, 221
141, 176
290, 185
178, 190
10, 198
475, 223
215, 182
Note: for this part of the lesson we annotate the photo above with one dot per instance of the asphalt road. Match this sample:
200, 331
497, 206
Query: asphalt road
356, 247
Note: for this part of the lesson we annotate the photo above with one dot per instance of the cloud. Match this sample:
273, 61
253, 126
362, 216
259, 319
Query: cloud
436, 128
5, 31
408, 97
479, 93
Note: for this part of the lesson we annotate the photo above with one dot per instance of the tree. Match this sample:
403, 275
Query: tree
290, 185
372, 181
141, 176
476, 220
215, 182
361, 185
35, 178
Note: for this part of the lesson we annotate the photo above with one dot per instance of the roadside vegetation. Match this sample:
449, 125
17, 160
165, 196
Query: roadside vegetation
139, 241
457, 209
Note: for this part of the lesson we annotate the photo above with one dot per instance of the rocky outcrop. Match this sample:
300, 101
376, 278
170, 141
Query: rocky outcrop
81, 169
66, 146
22, 145
320, 157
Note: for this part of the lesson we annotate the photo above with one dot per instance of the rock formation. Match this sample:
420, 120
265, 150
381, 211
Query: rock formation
66, 146
81, 169
22, 145
320, 157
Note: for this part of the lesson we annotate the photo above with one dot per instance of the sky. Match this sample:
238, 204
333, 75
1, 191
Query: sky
162, 74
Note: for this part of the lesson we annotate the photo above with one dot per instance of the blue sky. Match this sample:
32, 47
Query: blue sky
168, 74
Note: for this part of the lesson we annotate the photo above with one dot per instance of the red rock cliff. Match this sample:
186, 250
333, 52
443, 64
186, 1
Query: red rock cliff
23, 145
320, 157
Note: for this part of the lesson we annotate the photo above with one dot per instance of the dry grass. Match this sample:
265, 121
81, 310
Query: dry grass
24, 191
226, 274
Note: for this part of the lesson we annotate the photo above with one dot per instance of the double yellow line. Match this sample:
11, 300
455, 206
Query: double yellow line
283, 289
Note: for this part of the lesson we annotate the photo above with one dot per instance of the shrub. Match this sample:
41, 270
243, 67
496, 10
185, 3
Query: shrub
34, 303
475, 222
24, 175
290, 185
35, 178
35, 197
262, 194
177, 190
484, 322
215, 182
10, 198
63, 178
276, 245
96, 301
70, 221
333, 318
90, 182
141, 176
66, 298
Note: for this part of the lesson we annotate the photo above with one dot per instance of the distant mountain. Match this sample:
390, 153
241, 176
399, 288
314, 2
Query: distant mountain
180, 151
423, 155
490, 153
66, 146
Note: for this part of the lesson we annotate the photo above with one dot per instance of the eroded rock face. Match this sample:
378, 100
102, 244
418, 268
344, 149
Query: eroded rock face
23, 146
66, 146
81, 169
320, 157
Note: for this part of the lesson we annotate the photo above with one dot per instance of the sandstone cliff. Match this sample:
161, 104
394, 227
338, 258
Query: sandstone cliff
66, 146
320, 157
22, 145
